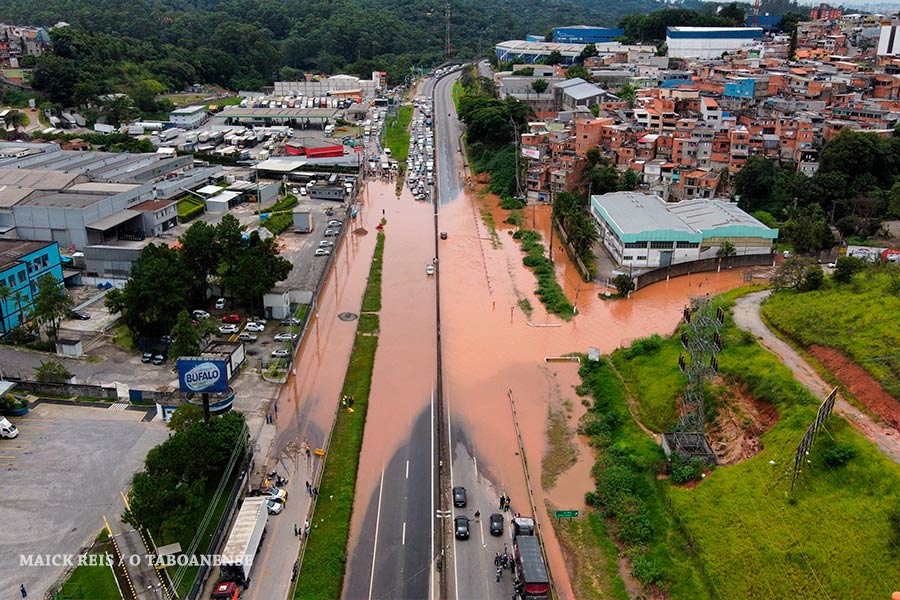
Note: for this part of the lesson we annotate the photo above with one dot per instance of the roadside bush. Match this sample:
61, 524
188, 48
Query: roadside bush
682, 470
894, 537
813, 278
548, 291
837, 455
509, 203
634, 527
515, 218
642, 346
846, 268
646, 568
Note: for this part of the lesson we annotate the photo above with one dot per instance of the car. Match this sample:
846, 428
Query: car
247, 337
80, 316
255, 327
429, 270
443, 235
459, 496
167, 339
281, 353
331, 232
146, 357
284, 337
274, 507
335, 223
496, 524
326, 244
323, 251
277, 494
228, 329
159, 359
232, 318
290, 321
258, 320
220, 303
462, 527
832, 265
200, 314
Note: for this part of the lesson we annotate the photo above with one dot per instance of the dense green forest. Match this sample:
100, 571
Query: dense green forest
133, 45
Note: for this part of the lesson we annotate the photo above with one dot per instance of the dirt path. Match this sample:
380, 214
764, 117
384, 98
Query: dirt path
746, 316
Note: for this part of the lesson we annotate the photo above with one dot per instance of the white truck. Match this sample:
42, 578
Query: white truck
246, 535
7, 429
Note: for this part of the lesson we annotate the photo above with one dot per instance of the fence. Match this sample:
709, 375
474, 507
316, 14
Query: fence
703, 266
67, 389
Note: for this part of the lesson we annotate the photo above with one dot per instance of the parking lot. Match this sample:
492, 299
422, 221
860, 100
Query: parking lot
61, 475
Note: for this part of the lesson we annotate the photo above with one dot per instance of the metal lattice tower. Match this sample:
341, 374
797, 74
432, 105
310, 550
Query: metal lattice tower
447, 49
703, 342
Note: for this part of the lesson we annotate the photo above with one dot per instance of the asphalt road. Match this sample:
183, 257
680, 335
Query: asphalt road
393, 558
448, 130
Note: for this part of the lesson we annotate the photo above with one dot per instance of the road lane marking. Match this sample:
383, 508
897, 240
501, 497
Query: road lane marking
8, 456
407, 469
450, 460
432, 482
481, 529
377, 523
403, 538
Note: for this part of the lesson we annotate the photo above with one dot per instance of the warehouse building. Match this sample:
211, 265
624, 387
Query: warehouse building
641, 231
709, 42
189, 117
586, 34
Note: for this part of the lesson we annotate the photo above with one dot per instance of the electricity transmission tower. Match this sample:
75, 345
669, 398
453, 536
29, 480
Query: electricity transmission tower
703, 342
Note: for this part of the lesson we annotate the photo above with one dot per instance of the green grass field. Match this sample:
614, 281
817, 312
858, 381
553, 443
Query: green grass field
858, 318
829, 538
94, 582
396, 134
324, 563
372, 297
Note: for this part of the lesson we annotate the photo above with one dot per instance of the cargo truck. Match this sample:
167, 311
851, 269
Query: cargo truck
303, 220
532, 580
246, 535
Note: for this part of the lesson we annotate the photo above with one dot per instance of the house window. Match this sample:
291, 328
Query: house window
22, 276
627, 258
12, 281
44, 260
642, 258
661, 245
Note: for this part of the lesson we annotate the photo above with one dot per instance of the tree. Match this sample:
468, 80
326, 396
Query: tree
857, 154
791, 272
726, 249
734, 15
624, 283
15, 119
846, 267
807, 230
52, 372
589, 51
229, 240
199, 255
540, 85
185, 416
755, 183
259, 267
555, 58
51, 304
630, 180
813, 277
578, 71
627, 92
119, 108
188, 339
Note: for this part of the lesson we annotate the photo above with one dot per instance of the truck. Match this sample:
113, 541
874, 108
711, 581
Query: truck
243, 543
532, 580
7, 429
303, 221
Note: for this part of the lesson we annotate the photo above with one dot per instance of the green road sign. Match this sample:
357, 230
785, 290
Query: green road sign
566, 514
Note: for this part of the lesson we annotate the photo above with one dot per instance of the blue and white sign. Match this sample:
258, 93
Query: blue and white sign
200, 374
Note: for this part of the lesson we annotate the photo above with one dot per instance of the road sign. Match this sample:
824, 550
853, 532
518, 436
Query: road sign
566, 514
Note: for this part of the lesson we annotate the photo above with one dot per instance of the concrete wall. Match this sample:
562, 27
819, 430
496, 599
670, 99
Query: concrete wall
703, 266
68, 389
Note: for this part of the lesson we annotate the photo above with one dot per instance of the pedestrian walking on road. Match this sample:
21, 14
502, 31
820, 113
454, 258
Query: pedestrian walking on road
477, 514
499, 573
308, 488
22, 589
497, 560
315, 492
502, 501
295, 530
276, 408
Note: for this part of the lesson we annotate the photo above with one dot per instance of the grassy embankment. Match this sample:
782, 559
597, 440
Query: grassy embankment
549, 292
830, 537
858, 318
280, 214
325, 560
97, 582
396, 134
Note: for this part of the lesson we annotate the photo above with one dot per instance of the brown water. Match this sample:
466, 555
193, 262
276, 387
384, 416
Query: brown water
491, 348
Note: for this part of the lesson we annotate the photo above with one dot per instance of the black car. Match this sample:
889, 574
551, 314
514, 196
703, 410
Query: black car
496, 524
459, 496
80, 316
443, 235
462, 528
159, 359
146, 357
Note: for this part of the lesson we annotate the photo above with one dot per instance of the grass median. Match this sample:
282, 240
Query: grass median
396, 135
325, 559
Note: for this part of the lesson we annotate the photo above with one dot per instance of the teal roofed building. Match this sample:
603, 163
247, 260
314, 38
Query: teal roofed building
641, 231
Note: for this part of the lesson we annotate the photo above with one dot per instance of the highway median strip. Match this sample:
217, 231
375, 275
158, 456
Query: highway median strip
325, 557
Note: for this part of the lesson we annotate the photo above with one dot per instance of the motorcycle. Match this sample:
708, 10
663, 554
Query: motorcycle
277, 479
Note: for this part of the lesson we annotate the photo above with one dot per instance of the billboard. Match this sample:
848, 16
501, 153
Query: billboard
533, 153
198, 374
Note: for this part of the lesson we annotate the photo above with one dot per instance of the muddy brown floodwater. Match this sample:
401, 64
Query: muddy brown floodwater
490, 348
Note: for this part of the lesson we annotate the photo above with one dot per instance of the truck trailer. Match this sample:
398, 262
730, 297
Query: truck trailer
532, 580
246, 535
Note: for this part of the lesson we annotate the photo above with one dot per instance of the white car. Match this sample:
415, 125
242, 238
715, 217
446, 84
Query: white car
335, 223
281, 353
277, 494
247, 337
284, 337
200, 314
228, 328
274, 507
331, 232
220, 303
323, 251
429, 270
255, 327
326, 244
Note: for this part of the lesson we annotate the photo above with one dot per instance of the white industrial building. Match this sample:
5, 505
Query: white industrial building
709, 42
889, 40
189, 117
642, 231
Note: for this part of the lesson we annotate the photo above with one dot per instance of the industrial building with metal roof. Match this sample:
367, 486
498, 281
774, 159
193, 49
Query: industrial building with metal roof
643, 231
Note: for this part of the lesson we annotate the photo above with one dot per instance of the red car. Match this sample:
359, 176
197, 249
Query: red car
232, 318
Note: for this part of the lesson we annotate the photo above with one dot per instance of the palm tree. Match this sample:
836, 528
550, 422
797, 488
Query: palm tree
15, 119
4, 294
726, 249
